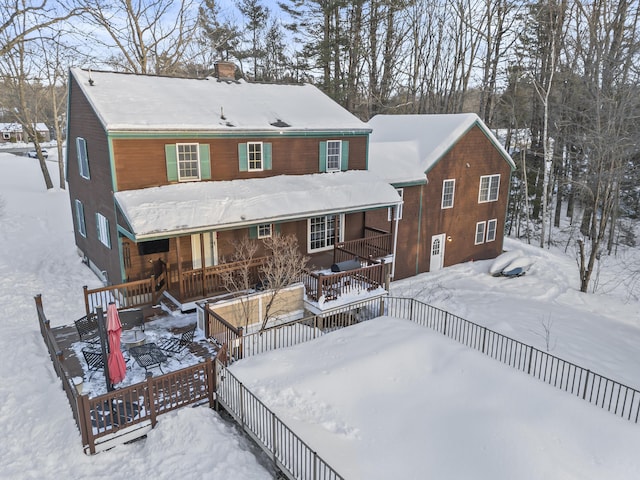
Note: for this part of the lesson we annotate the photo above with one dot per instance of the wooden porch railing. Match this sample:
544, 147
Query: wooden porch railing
374, 246
201, 283
333, 285
125, 295
224, 333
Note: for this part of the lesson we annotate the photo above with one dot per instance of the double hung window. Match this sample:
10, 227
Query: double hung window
188, 161
489, 186
448, 191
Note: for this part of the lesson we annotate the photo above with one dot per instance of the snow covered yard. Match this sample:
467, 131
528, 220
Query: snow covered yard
390, 399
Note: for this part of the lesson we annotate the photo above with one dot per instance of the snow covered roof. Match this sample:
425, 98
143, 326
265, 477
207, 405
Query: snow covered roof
15, 127
403, 148
197, 206
155, 103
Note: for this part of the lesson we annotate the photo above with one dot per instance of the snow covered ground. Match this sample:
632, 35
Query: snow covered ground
409, 402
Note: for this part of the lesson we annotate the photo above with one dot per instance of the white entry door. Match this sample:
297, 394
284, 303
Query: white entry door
437, 252
210, 241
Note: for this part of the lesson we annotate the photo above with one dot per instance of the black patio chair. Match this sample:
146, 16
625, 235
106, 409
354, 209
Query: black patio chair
132, 319
94, 360
87, 327
176, 344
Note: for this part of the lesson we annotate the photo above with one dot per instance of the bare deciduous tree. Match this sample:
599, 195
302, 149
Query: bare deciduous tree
241, 279
149, 36
283, 268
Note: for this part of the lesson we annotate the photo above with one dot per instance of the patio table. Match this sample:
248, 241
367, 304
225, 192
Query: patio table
133, 338
148, 356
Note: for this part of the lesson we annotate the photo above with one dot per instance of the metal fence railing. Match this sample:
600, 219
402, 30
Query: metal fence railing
295, 458
611, 395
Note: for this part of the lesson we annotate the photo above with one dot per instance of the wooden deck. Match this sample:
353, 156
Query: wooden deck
67, 335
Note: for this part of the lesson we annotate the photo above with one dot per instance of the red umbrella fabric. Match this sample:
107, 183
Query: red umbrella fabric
115, 362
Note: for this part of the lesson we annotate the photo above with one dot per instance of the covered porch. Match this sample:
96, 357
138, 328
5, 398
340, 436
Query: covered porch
192, 255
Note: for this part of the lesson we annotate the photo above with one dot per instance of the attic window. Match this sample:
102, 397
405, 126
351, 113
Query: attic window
280, 124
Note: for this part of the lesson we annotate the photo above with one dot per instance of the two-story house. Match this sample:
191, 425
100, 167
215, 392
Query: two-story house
169, 173
453, 176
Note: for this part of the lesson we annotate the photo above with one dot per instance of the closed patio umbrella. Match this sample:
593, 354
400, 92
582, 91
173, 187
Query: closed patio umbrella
116, 363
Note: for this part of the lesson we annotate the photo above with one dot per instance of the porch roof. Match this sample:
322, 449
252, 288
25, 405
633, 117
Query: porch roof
193, 207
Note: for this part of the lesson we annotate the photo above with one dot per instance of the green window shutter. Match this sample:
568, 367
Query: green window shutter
277, 228
205, 161
253, 232
266, 156
323, 157
172, 162
243, 158
344, 161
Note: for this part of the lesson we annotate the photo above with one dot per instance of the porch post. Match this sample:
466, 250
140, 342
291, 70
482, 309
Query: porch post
202, 264
180, 286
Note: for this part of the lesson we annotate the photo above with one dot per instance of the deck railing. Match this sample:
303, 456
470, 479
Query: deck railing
57, 358
304, 329
200, 283
330, 286
139, 293
224, 333
127, 413
124, 410
374, 246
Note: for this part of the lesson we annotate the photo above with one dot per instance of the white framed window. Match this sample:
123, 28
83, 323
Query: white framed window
6, 135
188, 157
322, 230
448, 192
491, 229
83, 157
334, 155
82, 226
398, 208
254, 156
265, 230
480, 228
102, 224
489, 186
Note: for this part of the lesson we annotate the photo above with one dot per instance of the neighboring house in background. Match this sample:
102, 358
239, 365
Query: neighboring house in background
170, 173
12, 132
454, 178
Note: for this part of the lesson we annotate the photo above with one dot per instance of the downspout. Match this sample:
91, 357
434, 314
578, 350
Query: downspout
418, 239
395, 239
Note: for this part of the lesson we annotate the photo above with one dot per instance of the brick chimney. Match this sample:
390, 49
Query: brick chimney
224, 70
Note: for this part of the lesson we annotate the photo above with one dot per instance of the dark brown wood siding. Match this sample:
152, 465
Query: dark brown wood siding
140, 163
94, 193
408, 249
472, 157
